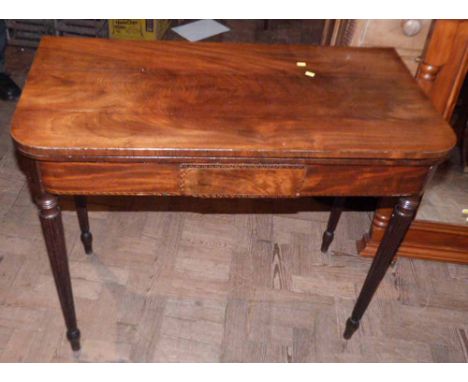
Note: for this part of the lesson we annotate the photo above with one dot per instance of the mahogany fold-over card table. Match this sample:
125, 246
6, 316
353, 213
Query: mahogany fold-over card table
210, 120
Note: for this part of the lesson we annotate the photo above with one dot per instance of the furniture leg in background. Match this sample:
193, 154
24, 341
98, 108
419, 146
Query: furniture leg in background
425, 239
82, 212
368, 244
337, 208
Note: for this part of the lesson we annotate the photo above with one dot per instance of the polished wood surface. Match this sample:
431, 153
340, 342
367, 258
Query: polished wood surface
230, 180
81, 178
334, 180
211, 120
94, 97
441, 76
241, 181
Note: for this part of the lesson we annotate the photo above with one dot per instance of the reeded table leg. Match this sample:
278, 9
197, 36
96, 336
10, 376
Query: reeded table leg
403, 214
82, 212
335, 214
52, 228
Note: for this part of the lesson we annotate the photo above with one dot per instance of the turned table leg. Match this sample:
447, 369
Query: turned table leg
52, 228
400, 221
335, 214
82, 212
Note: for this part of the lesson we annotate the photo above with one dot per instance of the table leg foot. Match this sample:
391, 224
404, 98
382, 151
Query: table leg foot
87, 240
74, 337
327, 239
351, 327
335, 214
82, 212
400, 221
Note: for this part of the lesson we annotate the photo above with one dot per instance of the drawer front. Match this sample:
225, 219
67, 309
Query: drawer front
241, 181
231, 180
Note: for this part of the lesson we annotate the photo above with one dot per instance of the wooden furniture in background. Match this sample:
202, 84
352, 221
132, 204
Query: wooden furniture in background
241, 120
443, 72
425, 239
408, 37
445, 64
441, 75
337, 32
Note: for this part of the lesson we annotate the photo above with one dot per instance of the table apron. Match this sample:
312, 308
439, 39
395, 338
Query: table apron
231, 180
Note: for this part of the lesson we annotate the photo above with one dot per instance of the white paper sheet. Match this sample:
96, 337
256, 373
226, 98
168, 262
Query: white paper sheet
201, 29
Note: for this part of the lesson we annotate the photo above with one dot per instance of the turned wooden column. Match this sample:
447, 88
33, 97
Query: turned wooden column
445, 64
52, 228
50, 217
400, 221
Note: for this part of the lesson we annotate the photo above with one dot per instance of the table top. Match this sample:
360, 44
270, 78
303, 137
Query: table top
88, 97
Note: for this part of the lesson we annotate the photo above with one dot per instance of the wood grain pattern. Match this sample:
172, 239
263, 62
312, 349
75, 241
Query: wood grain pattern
364, 180
110, 178
90, 97
219, 181
230, 180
